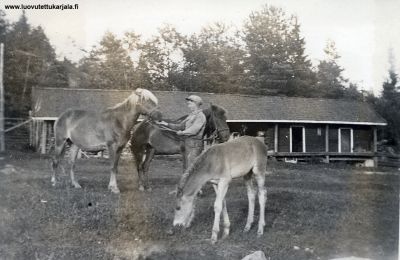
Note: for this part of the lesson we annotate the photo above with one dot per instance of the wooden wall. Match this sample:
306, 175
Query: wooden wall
315, 138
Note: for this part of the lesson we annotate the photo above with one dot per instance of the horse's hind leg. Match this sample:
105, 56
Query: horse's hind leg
115, 153
73, 154
138, 156
59, 150
262, 197
251, 195
150, 151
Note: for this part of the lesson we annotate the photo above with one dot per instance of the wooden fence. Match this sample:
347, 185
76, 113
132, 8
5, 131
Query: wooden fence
16, 133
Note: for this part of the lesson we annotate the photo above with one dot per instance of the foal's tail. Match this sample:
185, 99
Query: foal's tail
261, 153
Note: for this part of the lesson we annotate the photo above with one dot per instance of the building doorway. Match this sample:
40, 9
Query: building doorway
345, 140
297, 139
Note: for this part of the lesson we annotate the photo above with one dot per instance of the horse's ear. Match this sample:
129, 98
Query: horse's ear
139, 91
145, 94
179, 191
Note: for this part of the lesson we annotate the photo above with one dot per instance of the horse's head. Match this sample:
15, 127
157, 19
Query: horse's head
216, 123
184, 209
145, 101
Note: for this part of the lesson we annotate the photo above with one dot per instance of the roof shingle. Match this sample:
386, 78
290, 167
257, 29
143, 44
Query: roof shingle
53, 101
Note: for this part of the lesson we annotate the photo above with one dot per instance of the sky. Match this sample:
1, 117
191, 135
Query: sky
364, 30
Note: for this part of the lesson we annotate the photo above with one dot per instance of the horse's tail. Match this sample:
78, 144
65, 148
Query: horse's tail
61, 128
61, 136
260, 150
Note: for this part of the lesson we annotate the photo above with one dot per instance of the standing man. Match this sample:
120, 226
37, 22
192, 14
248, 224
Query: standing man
192, 128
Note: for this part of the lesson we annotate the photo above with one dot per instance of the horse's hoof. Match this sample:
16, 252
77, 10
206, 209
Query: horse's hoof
246, 229
213, 241
76, 185
172, 192
260, 233
141, 188
225, 235
114, 190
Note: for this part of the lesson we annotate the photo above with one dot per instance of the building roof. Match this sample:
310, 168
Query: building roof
51, 102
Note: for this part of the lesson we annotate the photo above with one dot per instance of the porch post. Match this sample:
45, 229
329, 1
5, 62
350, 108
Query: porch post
37, 126
30, 129
327, 143
375, 146
276, 138
44, 138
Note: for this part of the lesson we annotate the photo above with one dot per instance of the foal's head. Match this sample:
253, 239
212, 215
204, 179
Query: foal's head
184, 209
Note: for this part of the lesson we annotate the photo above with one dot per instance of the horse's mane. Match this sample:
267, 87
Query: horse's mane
218, 110
146, 95
127, 103
136, 96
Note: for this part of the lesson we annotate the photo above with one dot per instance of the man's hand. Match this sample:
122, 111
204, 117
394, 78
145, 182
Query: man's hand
180, 133
162, 123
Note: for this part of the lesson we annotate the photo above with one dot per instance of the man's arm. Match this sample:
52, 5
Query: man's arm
179, 126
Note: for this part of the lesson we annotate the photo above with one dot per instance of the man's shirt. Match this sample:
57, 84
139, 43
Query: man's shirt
193, 125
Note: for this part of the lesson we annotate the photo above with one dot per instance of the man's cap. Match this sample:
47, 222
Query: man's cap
195, 99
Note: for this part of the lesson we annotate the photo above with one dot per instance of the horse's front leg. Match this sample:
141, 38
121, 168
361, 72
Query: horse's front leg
218, 206
115, 153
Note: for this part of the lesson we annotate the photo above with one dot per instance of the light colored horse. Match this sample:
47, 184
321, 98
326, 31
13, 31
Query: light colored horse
242, 157
100, 130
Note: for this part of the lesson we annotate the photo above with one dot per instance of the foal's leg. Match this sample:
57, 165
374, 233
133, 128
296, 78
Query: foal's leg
218, 205
251, 195
115, 153
262, 198
225, 215
73, 154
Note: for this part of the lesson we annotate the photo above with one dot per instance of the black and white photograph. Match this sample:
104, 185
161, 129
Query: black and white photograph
199, 130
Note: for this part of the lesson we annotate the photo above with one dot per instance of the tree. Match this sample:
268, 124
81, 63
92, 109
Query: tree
108, 65
275, 53
303, 79
213, 60
3, 26
28, 59
330, 82
157, 68
388, 106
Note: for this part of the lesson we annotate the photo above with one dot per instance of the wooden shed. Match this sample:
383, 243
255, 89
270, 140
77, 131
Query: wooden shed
292, 127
